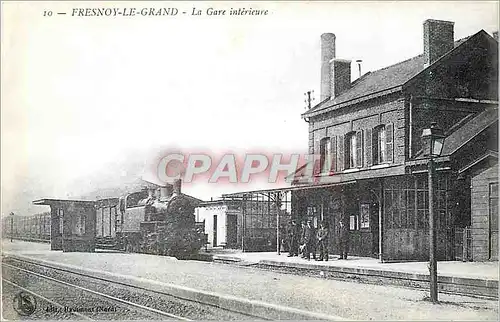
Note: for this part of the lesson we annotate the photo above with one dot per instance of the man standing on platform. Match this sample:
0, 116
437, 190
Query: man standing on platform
343, 239
310, 241
293, 242
302, 240
322, 237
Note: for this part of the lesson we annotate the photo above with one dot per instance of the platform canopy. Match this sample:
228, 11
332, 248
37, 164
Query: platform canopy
284, 189
56, 202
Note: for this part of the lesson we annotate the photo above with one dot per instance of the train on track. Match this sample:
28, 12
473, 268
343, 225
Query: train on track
30, 228
153, 220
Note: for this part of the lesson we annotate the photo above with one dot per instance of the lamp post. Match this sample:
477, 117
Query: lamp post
11, 226
432, 143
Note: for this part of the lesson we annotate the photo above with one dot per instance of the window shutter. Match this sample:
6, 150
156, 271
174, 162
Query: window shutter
389, 145
359, 149
368, 144
322, 153
317, 147
340, 153
334, 167
375, 145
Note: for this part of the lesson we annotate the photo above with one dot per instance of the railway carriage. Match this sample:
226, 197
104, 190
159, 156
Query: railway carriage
32, 227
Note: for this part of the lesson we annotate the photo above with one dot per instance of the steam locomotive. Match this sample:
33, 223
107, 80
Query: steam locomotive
154, 220
159, 221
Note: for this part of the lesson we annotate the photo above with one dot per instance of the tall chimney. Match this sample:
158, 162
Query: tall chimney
438, 39
327, 54
177, 186
340, 75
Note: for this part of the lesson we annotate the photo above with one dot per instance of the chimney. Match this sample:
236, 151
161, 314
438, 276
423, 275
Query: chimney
438, 39
340, 71
177, 186
495, 35
327, 54
359, 61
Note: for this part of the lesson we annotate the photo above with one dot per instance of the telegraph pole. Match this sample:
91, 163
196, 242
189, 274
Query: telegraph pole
11, 226
309, 98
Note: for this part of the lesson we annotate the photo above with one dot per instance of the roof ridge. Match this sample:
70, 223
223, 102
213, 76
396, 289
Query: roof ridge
415, 57
360, 78
398, 63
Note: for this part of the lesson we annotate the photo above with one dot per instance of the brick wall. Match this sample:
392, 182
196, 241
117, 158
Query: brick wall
367, 115
480, 183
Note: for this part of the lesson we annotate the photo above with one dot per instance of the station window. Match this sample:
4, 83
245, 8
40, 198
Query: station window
326, 155
353, 150
382, 144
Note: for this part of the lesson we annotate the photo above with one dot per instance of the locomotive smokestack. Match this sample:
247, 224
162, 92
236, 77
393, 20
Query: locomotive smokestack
166, 192
177, 186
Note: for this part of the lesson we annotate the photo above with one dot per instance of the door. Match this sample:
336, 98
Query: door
231, 229
493, 207
214, 241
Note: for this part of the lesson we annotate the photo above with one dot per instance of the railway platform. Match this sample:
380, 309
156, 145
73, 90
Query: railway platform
247, 288
468, 278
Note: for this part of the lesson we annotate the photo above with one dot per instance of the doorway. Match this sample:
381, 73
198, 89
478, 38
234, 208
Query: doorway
214, 241
232, 226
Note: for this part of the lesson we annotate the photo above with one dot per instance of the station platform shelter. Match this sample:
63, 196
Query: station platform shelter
73, 224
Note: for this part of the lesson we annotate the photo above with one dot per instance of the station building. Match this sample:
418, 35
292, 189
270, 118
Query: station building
373, 172
248, 224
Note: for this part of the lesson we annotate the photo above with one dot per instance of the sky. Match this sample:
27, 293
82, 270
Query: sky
87, 101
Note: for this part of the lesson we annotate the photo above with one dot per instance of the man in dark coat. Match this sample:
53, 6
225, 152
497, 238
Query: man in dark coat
293, 239
310, 241
302, 240
343, 239
322, 237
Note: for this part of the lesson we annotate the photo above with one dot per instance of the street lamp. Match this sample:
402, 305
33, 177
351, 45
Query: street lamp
432, 143
11, 225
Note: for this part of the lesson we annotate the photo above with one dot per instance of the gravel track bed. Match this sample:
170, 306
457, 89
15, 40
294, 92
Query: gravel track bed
170, 304
87, 304
8, 313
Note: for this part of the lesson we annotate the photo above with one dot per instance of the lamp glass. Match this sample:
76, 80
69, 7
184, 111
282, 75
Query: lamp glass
437, 146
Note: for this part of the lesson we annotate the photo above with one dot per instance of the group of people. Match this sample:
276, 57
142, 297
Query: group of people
307, 240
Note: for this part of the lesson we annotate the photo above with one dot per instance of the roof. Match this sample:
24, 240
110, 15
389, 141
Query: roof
285, 189
50, 201
469, 130
191, 198
379, 81
489, 154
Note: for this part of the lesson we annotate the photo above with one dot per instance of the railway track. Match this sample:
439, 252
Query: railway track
62, 294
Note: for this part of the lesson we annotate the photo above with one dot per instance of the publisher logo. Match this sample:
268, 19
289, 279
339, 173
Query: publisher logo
24, 303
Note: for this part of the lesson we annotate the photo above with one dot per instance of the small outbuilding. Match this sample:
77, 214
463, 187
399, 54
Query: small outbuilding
73, 224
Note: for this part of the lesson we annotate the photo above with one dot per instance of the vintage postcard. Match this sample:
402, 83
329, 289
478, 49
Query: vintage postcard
267, 160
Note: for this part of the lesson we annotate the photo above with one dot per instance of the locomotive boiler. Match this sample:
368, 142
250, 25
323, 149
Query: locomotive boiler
159, 221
